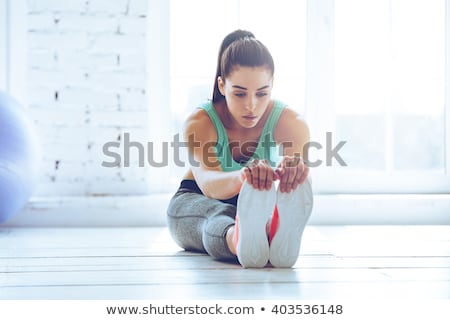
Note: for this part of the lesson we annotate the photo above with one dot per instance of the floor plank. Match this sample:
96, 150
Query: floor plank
242, 291
183, 262
143, 263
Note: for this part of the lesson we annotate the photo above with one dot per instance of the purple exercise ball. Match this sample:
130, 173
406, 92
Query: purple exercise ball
19, 157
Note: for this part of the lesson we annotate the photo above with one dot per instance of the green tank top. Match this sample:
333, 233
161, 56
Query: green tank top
266, 149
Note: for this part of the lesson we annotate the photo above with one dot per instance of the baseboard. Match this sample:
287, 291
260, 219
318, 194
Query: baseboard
110, 211
382, 209
150, 210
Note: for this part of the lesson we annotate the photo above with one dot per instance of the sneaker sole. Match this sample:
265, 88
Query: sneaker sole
254, 208
294, 210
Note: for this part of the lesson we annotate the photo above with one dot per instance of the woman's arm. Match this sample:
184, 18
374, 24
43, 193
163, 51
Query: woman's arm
293, 133
202, 137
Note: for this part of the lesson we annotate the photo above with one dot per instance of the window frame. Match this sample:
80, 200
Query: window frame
13, 53
319, 74
447, 86
158, 46
4, 39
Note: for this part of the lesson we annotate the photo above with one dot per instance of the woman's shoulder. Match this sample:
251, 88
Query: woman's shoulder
199, 123
201, 112
290, 120
288, 114
277, 103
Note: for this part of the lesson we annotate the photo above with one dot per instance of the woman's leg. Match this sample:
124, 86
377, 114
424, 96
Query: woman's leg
199, 223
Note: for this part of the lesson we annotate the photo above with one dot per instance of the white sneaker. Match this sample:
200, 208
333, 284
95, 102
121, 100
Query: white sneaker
254, 207
294, 210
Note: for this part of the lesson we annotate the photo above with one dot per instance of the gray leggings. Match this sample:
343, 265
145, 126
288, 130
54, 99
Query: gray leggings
198, 223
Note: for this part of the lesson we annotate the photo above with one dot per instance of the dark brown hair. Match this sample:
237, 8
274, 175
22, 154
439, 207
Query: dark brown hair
240, 48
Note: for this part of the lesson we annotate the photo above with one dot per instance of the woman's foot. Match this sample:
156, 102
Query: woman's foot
254, 208
294, 209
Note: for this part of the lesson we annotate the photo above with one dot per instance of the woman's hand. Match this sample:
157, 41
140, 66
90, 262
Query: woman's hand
291, 172
260, 174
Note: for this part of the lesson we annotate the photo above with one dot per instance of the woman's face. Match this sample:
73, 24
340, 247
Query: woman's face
247, 91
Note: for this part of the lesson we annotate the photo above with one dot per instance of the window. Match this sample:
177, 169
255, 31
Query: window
12, 48
369, 74
389, 75
4, 27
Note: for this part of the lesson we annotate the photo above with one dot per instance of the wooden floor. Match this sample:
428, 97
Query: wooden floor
400, 262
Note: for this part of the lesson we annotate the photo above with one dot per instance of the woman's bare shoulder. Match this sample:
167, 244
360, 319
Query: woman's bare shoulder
199, 124
291, 122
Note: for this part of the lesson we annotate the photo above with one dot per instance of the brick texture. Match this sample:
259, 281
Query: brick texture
86, 87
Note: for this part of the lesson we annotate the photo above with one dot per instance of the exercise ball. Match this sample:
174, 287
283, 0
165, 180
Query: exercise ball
19, 157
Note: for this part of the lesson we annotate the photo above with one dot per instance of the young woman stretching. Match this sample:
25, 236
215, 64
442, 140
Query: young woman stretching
228, 205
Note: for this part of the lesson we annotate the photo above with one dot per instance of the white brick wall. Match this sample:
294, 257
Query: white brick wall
87, 86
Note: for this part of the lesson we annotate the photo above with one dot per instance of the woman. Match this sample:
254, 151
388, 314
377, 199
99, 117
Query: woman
227, 204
